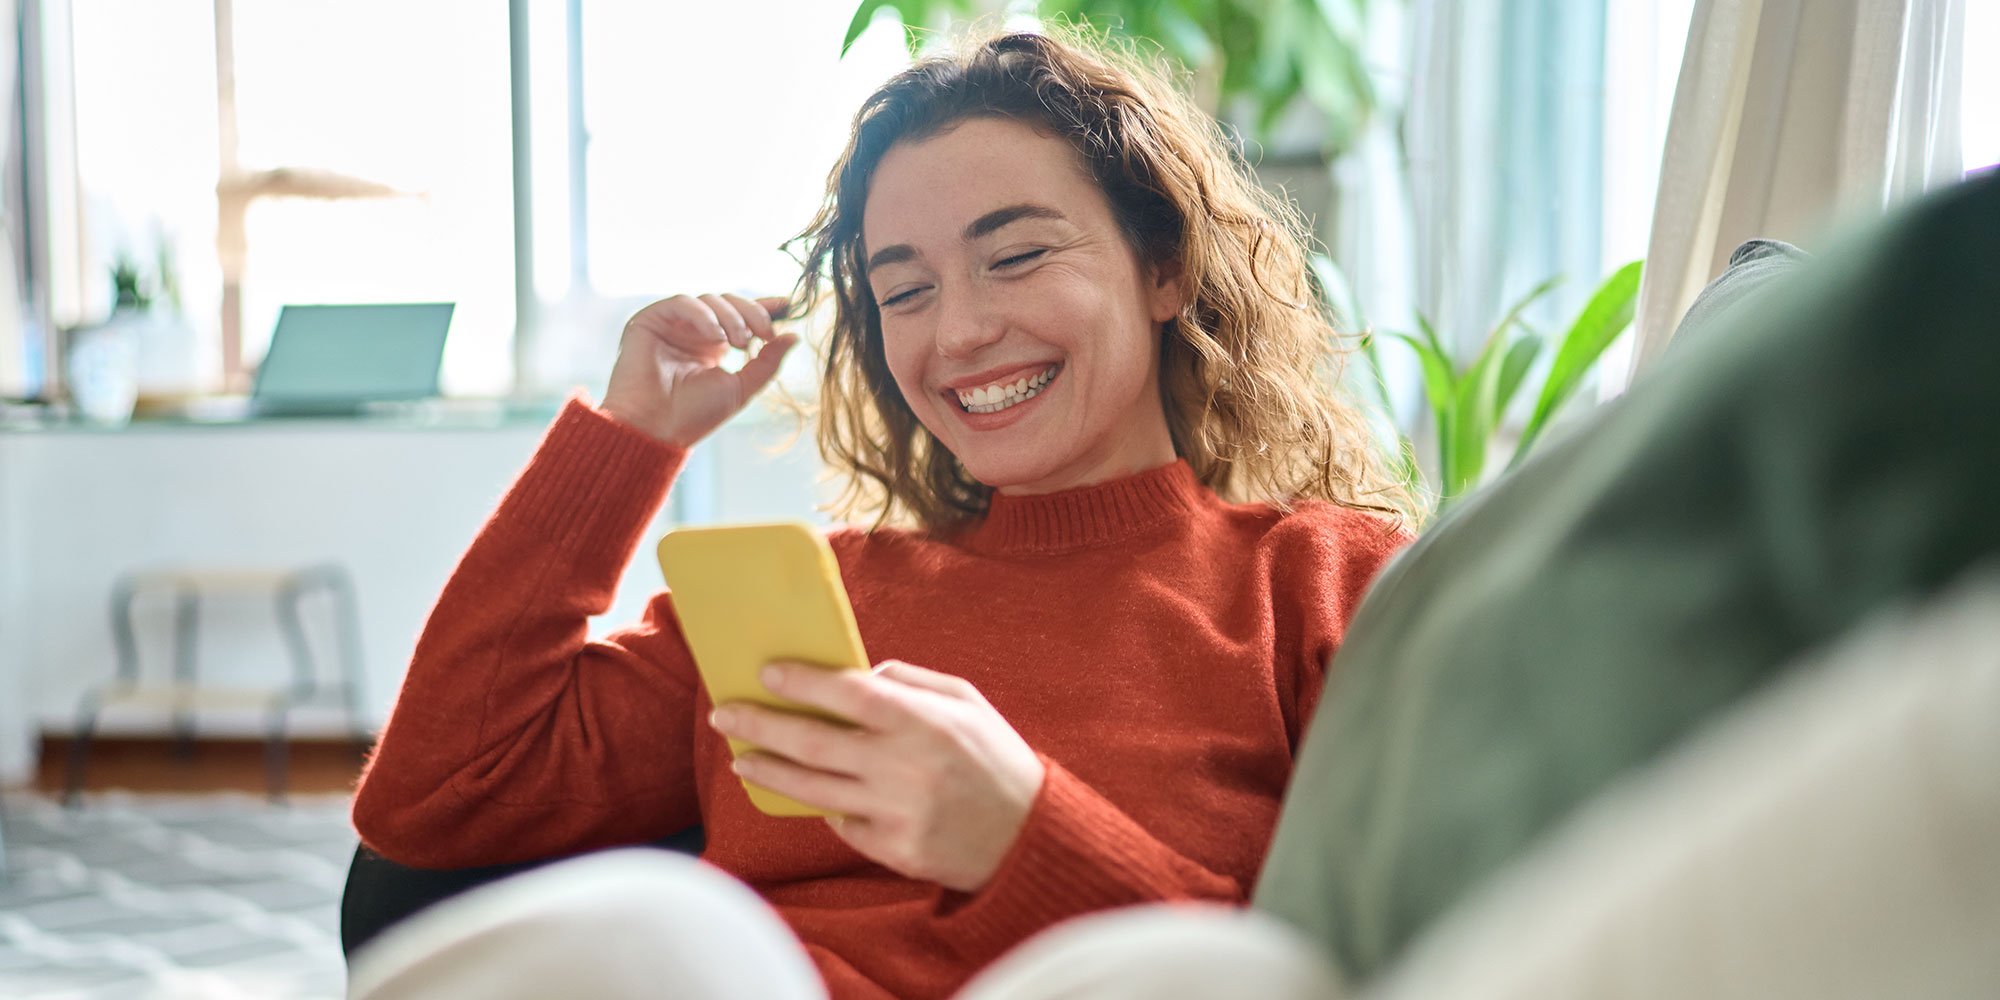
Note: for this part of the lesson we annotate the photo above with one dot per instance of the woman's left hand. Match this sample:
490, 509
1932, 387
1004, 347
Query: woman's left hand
930, 781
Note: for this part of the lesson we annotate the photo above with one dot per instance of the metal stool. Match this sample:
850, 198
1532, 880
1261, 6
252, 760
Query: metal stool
186, 694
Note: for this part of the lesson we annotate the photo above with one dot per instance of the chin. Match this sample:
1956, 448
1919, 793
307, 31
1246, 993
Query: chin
1001, 474
1007, 471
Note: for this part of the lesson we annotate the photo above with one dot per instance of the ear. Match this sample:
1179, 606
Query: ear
1166, 296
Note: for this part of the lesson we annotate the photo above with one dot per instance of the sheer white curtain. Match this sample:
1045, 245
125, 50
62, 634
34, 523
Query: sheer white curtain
1790, 113
1373, 238
16, 756
1481, 177
13, 349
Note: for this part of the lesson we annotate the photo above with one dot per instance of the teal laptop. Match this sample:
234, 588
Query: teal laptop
334, 360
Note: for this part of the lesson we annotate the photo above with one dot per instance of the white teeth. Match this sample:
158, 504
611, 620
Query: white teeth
992, 398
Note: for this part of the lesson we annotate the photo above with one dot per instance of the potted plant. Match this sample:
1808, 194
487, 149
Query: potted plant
1468, 403
102, 370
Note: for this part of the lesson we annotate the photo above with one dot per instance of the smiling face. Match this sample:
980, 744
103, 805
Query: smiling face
1021, 328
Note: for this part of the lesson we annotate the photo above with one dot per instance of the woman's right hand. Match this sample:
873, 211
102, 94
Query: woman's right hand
668, 380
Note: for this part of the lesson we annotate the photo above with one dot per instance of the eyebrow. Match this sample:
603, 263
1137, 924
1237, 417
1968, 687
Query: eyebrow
984, 225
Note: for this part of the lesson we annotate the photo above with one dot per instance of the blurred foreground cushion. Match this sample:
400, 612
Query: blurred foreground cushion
1829, 450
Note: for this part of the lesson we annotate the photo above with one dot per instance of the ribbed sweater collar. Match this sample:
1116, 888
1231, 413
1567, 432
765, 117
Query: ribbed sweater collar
1089, 515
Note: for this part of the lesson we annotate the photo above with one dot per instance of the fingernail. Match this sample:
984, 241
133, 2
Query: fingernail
721, 718
772, 677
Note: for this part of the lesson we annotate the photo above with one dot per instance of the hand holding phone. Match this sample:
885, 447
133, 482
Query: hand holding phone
749, 595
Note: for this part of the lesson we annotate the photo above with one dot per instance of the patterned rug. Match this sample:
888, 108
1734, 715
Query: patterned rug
213, 897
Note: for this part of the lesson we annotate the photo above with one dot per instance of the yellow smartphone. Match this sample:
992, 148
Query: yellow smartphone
753, 594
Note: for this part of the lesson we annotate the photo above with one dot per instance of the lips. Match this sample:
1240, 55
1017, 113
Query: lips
997, 396
997, 376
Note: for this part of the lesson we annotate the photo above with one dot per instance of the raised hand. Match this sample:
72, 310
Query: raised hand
669, 381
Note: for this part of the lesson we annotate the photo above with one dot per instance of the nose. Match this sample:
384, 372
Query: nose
967, 323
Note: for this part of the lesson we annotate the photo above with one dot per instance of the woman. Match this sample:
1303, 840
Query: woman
1076, 358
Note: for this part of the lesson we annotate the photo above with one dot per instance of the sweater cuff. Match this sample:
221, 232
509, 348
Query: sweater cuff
1077, 853
594, 482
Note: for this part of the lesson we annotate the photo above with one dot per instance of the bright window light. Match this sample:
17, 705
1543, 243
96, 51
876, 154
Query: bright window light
1980, 107
709, 143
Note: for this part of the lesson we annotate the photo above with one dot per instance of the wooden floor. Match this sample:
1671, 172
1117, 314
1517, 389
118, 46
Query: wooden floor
209, 765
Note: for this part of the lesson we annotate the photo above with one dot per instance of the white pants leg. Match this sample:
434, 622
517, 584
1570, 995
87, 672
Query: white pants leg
622, 924
630, 924
1163, 952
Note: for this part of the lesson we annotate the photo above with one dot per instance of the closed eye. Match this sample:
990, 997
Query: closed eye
902, 296
1019, 258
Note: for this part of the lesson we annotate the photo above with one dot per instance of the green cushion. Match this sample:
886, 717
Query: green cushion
1827, 451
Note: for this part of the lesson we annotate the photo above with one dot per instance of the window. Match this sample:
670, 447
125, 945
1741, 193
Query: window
410, 96
669, 152
1643, 43
703, 145
1980, 135
372, 150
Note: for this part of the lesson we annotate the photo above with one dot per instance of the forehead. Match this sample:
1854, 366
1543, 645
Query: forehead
929, 189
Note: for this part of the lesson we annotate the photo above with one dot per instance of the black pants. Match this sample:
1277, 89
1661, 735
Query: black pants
380, 892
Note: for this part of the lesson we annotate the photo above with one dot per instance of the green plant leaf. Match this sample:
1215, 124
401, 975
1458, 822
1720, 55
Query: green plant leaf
1440, 383
1521, 356
1273, 98
864, 16
1383, 420
1277, 32
1473, 414
1603, 318
1236, 34
1441, 390
1183, 37
1513, 314
1334, 76
1431, 336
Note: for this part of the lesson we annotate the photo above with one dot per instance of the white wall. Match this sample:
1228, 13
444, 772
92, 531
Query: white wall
395, 505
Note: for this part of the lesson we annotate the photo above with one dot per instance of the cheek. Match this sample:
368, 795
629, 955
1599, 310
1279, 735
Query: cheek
1125, 358
905, 355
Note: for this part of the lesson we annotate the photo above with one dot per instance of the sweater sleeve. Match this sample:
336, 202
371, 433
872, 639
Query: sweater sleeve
1077, 853
514, 736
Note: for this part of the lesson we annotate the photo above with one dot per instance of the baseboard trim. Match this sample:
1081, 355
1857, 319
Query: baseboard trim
205, 763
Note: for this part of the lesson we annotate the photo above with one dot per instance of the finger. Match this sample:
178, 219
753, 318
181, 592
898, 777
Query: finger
732, 322
754, 316
758, 372
684, 311
835, 793
855, 695
814, 742
776, 306
929, 680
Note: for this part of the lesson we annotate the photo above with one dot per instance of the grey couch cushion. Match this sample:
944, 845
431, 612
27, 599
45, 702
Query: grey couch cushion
1831, 449
1753, 266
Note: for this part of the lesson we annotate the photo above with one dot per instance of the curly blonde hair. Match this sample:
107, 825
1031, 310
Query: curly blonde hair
1247, 369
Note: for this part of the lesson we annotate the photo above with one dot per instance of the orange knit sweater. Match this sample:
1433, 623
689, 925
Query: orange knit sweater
1160, 649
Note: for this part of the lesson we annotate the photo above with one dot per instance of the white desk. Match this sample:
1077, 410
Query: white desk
396, 502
